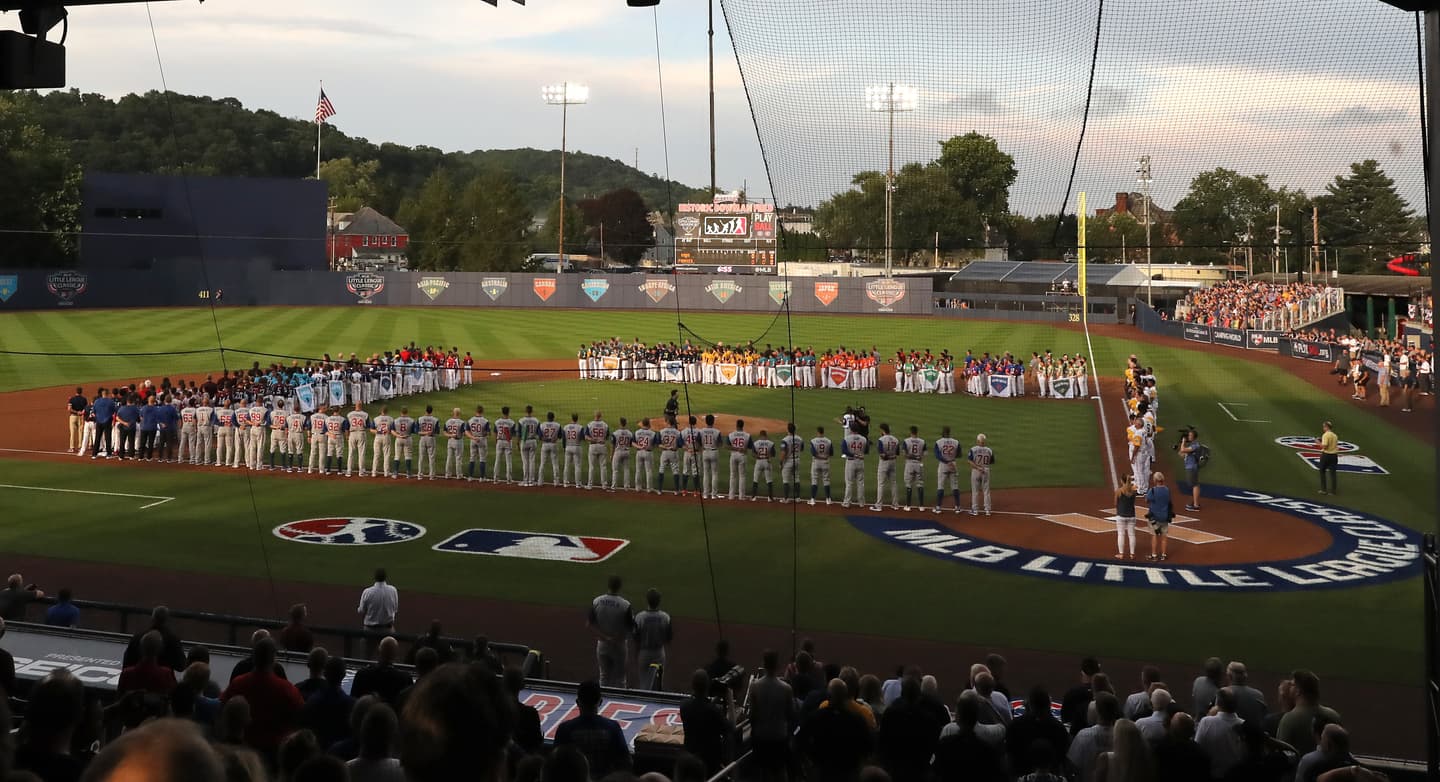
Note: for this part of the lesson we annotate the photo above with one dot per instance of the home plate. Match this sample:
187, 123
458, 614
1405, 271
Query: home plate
494, 374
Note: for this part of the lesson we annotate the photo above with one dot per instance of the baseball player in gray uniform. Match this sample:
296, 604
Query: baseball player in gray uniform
187, 434
259, 433
854, 446
887, 447
504, 445
549, 441
653, 632
427, 425
454, 444
791, 445
574, 435
295, 435
279, 434
739, 441
710, 459
644, 448
764, 449
383, 448
690, 458
914, 447
529, 427
359, 421
597, 433
670, 444
621, 438
820, 449
613, 624
947, 450
981, 458
204, 432
317, 441
477, 429
404, 428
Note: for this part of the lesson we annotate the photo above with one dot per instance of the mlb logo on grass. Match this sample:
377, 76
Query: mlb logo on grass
532, 545
349, 531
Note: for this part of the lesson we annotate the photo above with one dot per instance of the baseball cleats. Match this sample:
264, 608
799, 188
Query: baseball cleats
812, 501
875, 508
937, 510
907, 508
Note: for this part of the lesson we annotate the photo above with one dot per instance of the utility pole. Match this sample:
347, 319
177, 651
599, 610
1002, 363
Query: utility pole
1144, 171
710, 33
1275, 260
1314, 236
1249, 248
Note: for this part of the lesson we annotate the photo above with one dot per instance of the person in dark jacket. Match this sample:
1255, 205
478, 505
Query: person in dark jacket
172, 654
908, 734
1036, 724
964, 755
834, 739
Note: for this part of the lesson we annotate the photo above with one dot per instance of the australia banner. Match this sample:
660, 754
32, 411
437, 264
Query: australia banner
727, 374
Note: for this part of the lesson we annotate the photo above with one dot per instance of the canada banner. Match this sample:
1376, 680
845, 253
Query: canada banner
837, 377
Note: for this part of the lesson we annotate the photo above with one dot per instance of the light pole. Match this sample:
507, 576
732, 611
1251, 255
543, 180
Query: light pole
890, 98
1143, 170
563, 95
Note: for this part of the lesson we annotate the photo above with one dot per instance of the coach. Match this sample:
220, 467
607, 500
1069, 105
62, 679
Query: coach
76, 410
104, 410
378, 606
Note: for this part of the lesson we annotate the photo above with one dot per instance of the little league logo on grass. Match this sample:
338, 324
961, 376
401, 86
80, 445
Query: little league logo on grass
722, 290
1364, 550
67, 286
365, 285
779, 292
885, 293
583, 549
494, 287
1304, 442
1308, 448
349, 532
432, 286
544, 287
826, 292
595, 287
9, 283
657, 289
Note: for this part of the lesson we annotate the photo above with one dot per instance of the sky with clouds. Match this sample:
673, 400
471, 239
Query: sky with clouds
1297, 89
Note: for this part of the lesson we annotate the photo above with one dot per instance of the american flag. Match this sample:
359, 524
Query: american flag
324, 109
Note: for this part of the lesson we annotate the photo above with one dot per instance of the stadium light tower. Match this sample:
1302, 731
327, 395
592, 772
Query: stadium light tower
890, 98
1142, 171
564, 95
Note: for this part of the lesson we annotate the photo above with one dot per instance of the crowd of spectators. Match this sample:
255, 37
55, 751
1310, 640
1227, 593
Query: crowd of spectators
1377, 368
1249, 304
456, 714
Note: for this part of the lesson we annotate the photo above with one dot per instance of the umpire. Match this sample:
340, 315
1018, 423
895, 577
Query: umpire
672, 408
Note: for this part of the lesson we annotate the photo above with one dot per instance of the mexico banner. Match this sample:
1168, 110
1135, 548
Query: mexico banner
929, 379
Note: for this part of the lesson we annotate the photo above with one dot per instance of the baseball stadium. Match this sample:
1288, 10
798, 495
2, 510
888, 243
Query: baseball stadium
914, 458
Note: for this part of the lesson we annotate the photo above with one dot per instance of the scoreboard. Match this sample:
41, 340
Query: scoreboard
726, 238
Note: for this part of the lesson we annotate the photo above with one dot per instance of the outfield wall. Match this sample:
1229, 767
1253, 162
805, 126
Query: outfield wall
256, 285
1149, 321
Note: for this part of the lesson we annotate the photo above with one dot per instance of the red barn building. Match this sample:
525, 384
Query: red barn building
367, 240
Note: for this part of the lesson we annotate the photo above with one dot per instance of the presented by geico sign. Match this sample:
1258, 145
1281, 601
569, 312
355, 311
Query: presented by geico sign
1365, 550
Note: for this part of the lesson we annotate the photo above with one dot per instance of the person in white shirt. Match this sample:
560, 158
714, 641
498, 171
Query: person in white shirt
1091, 741
1217, 735
1149, 675
378, 605
1152, 728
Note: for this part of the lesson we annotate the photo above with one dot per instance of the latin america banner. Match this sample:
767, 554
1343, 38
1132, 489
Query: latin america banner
929, 379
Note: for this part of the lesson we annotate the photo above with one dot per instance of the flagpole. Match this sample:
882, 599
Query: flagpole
319, 126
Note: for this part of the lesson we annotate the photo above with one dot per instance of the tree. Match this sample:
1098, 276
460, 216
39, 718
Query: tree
1221, 207
1106, 238
351, 184
496, 224
42, 192
1365, 219
855, 218
979, 172
548, 239
625, 221
926, 205
1034, 238
433, 219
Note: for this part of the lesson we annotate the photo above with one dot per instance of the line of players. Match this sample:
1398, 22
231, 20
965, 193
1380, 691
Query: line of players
617, 459
1142, 403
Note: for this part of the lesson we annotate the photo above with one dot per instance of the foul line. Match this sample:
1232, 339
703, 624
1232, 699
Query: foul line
29, 450
1241, 420
1100, 403
160, 500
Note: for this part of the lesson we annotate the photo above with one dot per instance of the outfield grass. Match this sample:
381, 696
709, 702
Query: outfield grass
1040, 444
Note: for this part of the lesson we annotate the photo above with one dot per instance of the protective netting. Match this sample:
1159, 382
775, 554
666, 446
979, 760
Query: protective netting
1297, 91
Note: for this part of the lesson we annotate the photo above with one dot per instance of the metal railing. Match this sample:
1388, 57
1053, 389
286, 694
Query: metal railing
1430, 559
235, 629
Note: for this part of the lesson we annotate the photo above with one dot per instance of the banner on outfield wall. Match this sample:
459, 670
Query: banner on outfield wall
251, 285
1195, 332
1230, 338
1263, 340
1313, 351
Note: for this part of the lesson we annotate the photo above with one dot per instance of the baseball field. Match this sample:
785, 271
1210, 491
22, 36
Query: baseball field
1267, 572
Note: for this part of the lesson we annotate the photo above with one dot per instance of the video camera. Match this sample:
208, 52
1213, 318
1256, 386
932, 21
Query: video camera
1181, 436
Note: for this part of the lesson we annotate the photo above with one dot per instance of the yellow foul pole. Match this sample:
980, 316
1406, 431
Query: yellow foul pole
1080, 236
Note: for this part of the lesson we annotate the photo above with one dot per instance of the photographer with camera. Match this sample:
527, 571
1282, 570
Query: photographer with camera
707, 722
1195, 455
16, 596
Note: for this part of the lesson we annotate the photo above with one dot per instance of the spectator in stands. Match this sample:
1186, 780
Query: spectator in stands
7, 668
1295, 726
851, 676
1137, 704
1206, 685
172, 656
377, 739
482, 652
425, 662
1265, 759
162, 751
378, 605
248, 664
382, 678
1129, 760
274, 702
457, 725
322, 768
599, 738
707, 726
1249, 702
347, 748
16, 597
568, 764
612, 623
64, 613
1077, 699
653, 633
908, 734
994, 707
1219, 736
870, 695
234, 721
722, 664
52, 717
1091, 741
434, 639
527, 718
296, 637
205, 708
148, 675
806, 676
327, 709
834, 738
295, 749
315, 665
1044, 763
1333, 752
1037, 724
1285, 695
773, 716
1178, 758
996, 663
962, 754
1154, 725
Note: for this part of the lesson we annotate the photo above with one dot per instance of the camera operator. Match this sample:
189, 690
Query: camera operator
1190, 449
707, 724
16, 596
